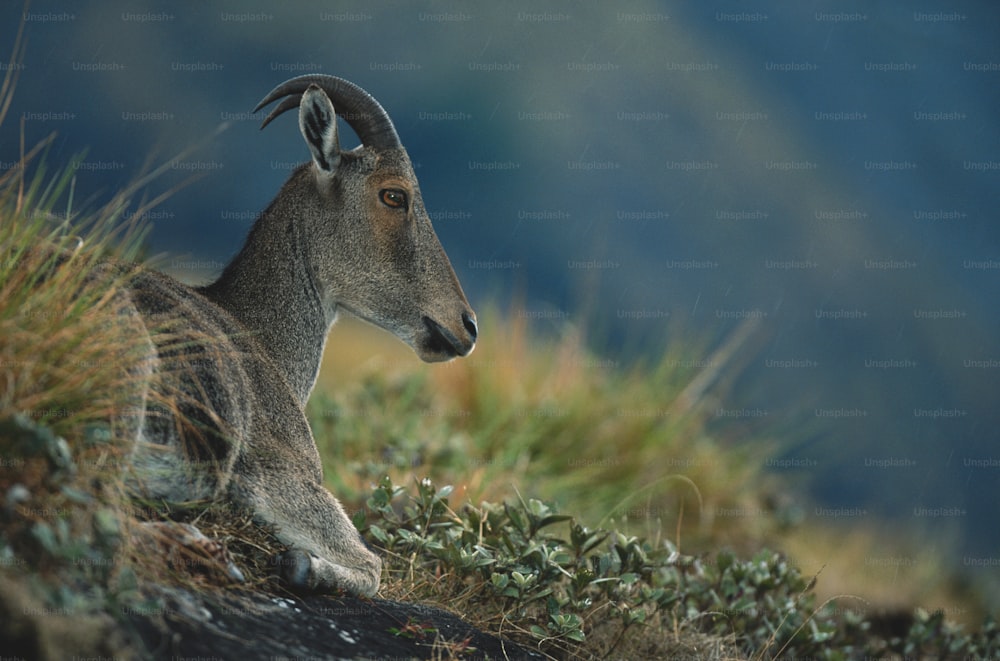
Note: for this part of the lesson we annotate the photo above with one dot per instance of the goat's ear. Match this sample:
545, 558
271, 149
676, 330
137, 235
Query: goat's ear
318, 123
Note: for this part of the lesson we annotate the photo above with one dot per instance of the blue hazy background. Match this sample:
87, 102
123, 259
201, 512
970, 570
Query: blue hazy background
633, 168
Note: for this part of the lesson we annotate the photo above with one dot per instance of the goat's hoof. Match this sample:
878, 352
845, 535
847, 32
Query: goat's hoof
295, 568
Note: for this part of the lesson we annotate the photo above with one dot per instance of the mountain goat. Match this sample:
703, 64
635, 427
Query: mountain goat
347, 230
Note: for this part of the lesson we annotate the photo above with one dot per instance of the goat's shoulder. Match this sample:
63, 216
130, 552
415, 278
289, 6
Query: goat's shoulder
222, 360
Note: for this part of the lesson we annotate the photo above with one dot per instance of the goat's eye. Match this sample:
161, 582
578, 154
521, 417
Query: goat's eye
393, 197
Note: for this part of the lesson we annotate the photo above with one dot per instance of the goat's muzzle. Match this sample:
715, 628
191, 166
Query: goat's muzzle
442, 343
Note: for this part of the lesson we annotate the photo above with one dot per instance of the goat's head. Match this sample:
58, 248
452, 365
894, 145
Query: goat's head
371, 247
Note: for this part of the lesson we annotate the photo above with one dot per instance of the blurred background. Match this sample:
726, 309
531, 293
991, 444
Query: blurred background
635, 170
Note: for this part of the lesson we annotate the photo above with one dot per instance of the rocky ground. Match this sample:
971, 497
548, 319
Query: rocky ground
244, 625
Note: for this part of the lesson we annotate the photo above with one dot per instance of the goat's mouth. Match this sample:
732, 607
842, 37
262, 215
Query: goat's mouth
440, 343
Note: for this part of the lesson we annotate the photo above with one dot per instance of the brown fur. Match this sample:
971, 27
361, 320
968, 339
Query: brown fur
237, 427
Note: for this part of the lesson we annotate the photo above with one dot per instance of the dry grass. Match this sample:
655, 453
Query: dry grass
74, 378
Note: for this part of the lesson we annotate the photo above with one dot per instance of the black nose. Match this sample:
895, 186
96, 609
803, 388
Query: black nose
470, 325
440, 340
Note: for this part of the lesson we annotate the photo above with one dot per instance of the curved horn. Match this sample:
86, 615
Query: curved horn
359, 108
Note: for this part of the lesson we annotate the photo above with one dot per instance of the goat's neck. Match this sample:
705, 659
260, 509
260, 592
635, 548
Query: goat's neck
268, 287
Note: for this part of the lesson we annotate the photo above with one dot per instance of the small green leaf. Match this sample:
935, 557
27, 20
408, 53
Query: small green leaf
552, 518
522, 580
75, 495
379, 499
538, 632
42, 532
127, 580
106, 522
724, 560
379, 534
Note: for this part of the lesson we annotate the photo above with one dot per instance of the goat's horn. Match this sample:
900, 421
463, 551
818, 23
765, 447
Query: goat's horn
359, 108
